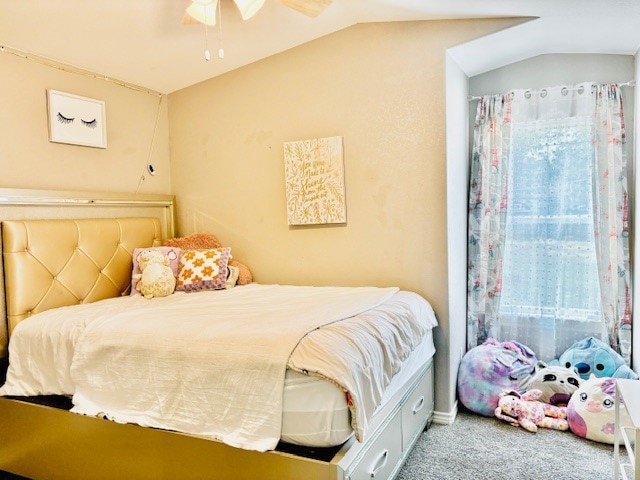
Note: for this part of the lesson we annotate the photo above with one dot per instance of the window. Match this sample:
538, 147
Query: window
548, 220
550, 270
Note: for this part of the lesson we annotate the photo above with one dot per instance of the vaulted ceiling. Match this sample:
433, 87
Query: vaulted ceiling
144, 42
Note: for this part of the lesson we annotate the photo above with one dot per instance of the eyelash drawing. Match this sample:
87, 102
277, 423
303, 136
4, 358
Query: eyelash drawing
63, 119
91, 123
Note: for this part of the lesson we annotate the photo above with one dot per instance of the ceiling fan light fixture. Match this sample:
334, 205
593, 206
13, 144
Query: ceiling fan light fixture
203, 11
248, 8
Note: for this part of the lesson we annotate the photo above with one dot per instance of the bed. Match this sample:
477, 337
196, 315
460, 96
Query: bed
43, 437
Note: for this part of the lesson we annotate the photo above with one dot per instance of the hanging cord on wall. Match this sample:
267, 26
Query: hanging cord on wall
149, 168
73, 69
543, 91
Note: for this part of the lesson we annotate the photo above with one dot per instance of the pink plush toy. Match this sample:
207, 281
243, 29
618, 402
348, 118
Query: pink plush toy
527, 411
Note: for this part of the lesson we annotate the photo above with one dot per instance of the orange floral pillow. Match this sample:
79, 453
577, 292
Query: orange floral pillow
203, 269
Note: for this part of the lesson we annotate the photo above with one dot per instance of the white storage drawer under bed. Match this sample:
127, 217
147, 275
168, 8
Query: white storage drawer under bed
417, 409
382, 456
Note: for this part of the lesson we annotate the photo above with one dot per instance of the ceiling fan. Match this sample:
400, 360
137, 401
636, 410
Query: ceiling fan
204, 11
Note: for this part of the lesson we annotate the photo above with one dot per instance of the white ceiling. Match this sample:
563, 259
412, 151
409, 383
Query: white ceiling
143, 41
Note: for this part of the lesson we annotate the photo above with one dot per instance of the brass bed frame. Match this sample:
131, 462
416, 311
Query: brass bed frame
41, 440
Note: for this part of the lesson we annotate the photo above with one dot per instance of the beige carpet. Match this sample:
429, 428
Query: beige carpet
481, 448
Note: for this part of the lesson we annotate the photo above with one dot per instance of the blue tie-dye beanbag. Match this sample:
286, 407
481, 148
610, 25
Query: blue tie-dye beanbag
490, 368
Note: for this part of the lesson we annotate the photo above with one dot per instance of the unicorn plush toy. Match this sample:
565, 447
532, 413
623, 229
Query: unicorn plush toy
591, 410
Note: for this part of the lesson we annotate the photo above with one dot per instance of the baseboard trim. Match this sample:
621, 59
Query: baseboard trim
446, 418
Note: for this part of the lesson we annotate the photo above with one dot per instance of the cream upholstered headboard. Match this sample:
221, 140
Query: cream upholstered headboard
66, 255
54, 263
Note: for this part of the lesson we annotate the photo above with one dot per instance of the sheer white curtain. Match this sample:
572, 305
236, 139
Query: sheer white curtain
548, 256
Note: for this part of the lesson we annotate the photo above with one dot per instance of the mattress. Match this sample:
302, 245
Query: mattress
315, 411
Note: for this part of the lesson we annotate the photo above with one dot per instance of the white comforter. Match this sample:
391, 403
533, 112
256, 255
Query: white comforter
213, 363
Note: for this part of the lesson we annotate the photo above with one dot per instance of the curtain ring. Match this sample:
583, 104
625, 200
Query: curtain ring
581, 89
527, 94
564, 91
543, 93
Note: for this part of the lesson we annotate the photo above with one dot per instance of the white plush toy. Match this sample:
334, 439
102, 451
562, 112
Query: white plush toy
556, 383
156, 279
591, 411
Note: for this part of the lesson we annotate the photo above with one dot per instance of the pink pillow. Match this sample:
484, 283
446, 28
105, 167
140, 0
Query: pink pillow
174, 263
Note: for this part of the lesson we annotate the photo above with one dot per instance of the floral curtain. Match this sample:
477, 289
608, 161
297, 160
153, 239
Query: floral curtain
611, 212
487, 214
548, 220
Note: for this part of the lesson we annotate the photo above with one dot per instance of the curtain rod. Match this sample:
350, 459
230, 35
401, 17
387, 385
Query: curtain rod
543, 91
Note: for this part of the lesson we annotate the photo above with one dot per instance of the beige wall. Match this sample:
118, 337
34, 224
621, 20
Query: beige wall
29, 160
381, 87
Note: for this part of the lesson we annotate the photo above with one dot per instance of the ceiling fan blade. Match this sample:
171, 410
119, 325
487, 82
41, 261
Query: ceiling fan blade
311, 8
200, 11
189, 20
248, 8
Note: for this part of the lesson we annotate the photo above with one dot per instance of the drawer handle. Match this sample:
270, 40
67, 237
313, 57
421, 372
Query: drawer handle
381, 462
418, 406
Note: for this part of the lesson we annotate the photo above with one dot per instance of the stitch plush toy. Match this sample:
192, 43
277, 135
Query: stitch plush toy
525, 410
593, 356
156, 279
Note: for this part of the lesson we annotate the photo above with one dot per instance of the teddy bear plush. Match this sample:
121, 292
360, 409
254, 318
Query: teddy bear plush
208, 240
156, 279
525, 410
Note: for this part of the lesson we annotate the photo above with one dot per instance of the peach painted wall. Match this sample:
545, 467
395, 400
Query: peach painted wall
29, 160
379, 86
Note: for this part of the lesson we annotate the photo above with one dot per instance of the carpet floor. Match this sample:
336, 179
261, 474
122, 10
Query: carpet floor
481, 448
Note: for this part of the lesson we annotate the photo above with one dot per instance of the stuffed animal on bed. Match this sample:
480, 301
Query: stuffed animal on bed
591, 410
593, 356
557, 384
526, 411
491, 368
207, 240
156, 279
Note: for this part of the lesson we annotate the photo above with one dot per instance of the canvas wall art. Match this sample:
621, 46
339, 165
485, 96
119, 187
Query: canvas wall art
76, 120
314, 181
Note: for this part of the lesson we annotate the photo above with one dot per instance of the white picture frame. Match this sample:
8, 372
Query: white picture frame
76, 120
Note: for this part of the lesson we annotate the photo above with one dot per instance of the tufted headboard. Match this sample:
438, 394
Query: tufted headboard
67, 255
54, 263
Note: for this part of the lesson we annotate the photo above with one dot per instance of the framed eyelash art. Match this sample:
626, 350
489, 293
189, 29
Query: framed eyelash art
76, 120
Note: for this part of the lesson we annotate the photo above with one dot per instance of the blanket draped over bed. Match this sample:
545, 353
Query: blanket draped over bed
213, 363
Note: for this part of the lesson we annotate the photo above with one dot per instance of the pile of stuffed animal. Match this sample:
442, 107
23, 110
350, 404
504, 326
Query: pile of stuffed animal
575, 392
155, 269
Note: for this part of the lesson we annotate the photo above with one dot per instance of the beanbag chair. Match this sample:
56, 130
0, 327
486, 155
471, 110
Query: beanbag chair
591, 411
593, 356
491, 368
